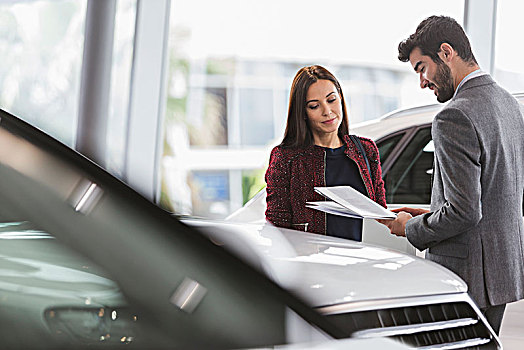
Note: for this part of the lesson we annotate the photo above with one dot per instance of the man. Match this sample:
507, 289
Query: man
475, 226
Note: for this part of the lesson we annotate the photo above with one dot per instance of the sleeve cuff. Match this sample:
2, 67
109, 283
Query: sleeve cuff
415, 232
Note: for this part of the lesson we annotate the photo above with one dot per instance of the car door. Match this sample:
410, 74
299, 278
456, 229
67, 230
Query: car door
407, 167
407, 172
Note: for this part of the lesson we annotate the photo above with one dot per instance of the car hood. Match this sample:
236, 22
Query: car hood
327, 270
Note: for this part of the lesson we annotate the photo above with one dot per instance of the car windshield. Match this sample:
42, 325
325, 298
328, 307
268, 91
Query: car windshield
94, 262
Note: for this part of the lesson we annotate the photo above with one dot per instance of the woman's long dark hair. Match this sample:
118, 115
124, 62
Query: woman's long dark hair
298, 133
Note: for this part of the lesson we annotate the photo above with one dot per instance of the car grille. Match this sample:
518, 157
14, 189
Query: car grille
452, 325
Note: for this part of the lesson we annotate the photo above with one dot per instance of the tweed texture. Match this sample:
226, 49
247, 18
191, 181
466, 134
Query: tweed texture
293, 173
475, 226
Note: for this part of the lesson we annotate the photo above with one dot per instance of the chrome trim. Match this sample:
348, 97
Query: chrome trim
381, 304
188, 295
378, 304
414, 328
458, 345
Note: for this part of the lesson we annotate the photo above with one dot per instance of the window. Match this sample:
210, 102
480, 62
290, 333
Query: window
212, 193
42, 46
120, 85
509, 48
208, 126
255, 107
386, 146
409, 179
231, 65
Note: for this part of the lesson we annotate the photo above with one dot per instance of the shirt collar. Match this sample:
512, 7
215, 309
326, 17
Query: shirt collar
474, 74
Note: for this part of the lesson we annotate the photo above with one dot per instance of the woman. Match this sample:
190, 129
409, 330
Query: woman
318, 151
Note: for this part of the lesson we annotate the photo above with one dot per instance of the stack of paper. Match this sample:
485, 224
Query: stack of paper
346, 201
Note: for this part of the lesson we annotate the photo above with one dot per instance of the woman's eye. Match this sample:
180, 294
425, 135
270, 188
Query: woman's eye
312, 106
332, 100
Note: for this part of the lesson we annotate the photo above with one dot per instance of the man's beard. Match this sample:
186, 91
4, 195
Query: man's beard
444, 83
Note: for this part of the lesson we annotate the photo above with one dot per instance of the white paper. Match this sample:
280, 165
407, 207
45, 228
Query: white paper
334, 208
355, 202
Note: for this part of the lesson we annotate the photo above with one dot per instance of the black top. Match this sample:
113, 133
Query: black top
343, 171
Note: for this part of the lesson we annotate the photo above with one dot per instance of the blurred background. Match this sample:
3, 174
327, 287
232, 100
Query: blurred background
192, 95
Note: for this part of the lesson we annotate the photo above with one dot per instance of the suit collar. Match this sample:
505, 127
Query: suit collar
481, 80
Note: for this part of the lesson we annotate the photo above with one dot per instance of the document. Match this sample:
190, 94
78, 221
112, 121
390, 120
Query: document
347, 201
334, 208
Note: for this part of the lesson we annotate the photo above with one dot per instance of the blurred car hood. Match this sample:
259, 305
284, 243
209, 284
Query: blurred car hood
327, 270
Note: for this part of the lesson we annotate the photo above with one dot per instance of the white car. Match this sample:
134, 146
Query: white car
405, 145
86, 262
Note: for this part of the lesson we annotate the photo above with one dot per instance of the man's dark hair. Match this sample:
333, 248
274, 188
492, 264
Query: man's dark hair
431, 33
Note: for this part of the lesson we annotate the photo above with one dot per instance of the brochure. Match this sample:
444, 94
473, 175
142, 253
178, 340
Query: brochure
334, 208
347, 201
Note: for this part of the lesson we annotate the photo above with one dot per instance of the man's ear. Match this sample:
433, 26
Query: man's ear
446, 52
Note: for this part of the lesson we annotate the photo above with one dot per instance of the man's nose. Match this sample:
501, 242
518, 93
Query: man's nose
423, 82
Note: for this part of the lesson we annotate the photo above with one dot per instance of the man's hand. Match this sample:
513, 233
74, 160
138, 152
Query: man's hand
412, 211
385, 222
398, 226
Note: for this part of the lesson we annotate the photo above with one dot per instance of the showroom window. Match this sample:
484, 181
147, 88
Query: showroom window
509, 50
255, 128
42, 45
231, 64
120, 85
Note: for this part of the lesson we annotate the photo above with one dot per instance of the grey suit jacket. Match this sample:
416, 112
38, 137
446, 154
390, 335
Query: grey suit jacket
475, 227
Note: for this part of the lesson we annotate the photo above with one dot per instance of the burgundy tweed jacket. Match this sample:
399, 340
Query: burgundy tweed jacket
292, 174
